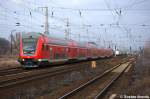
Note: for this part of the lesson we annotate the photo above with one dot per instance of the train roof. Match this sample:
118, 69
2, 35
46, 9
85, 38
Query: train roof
58, 41
30, 35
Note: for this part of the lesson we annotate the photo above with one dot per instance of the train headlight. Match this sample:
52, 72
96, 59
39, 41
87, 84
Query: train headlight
22, 59
32, 52
39, 60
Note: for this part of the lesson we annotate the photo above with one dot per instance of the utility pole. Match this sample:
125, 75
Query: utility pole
99, 40
109, 43
67, 30
11, 47
115, 47
104, 42
46, 20
11, 44
66, 34
79, 37
130, 50
87, 31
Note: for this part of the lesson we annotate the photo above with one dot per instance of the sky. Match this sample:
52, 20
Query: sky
120, 23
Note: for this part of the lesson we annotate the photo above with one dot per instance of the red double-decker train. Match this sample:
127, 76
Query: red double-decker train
37, 49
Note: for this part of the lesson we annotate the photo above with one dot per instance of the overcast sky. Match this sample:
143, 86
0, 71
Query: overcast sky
123, 23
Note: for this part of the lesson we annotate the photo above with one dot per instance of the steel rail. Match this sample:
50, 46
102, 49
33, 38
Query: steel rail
73, 92
11, 71
18, 80
105, 89
14, 79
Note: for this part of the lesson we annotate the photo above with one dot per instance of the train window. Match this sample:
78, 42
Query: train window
56, 56
67, 49
42, 46
60, 56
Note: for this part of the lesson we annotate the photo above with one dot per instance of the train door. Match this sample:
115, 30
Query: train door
74, 53
69, 52
51, 53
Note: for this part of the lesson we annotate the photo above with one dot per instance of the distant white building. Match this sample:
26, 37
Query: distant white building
117, 52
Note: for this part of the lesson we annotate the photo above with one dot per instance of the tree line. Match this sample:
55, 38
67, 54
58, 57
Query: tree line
4, 46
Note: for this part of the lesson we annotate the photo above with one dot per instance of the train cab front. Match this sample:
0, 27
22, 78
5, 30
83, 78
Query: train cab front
28, 62
28, 46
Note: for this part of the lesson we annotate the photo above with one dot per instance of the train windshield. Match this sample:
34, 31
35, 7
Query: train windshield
29, 45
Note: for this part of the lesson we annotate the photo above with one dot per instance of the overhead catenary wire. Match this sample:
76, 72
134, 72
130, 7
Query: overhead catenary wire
60, 19
81, 12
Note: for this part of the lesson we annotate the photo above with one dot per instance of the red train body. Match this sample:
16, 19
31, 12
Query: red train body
38, 49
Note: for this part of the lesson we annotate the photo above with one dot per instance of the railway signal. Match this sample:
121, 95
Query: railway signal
93, 64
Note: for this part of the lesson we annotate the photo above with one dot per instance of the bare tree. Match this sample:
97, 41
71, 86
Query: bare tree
4, 46
15, 43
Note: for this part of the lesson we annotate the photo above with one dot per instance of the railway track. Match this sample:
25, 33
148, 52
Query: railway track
9, 78
12, 79
10, 71
97, 87
15, 70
